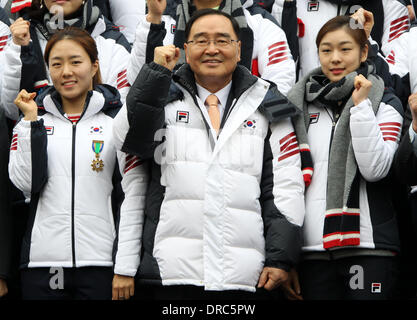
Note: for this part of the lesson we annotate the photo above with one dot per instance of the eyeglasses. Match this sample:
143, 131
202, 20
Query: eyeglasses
204, 43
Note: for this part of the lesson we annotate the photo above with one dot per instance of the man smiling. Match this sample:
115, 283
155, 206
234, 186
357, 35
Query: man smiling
225, 204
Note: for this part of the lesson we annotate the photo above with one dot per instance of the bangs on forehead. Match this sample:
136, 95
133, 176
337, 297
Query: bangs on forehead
342, 23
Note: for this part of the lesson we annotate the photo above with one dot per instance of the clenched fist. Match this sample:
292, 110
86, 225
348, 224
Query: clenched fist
24, 101
366, 19
155, 10
20, 32
362, 88
167, 56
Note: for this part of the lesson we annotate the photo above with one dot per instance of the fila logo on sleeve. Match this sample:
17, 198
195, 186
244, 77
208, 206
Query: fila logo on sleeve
182, 116
313, 6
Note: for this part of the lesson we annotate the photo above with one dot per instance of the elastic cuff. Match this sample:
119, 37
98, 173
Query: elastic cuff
361, 106
157, 67
27, 49
123, 272
156, 27
29, 124
278, 264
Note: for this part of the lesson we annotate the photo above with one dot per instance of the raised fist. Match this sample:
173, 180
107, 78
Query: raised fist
362, 88
24, 101
167, 56
366, 20
155, 10
20, 32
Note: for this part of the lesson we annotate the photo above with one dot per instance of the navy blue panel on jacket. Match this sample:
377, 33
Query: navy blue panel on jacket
5, 213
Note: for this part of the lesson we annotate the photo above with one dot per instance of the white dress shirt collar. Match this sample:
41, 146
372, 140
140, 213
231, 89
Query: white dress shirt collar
222, 95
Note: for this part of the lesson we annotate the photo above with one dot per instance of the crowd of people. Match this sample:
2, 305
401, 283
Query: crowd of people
240, 149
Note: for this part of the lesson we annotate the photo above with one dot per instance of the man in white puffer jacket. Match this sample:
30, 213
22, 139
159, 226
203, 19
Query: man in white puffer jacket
225, 203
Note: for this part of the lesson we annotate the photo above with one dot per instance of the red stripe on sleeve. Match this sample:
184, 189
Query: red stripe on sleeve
277, 61
289, 154
277, 44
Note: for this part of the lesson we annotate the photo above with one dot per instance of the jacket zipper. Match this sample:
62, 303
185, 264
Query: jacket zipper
74, 126
331, 135
230, 109
74, 130
334, 121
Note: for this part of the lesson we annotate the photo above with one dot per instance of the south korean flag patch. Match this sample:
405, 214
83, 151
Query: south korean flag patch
313, 6
183, 116
96, 129
249, 124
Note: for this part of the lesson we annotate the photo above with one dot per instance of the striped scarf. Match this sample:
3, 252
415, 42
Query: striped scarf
232, 7
342, 217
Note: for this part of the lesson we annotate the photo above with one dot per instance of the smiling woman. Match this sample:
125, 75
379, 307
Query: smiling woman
64, 158
72, 59
351, 127
341, 48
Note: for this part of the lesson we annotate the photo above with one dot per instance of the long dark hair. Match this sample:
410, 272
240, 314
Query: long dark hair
83, 38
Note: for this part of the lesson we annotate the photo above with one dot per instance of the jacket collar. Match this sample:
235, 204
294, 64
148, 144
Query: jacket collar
103, 98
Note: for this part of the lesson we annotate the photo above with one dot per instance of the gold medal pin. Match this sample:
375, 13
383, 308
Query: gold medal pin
97, 164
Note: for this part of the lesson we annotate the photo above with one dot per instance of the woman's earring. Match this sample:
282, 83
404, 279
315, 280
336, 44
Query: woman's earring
41, 4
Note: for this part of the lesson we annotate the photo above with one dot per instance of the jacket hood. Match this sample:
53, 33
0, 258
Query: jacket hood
246, 3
